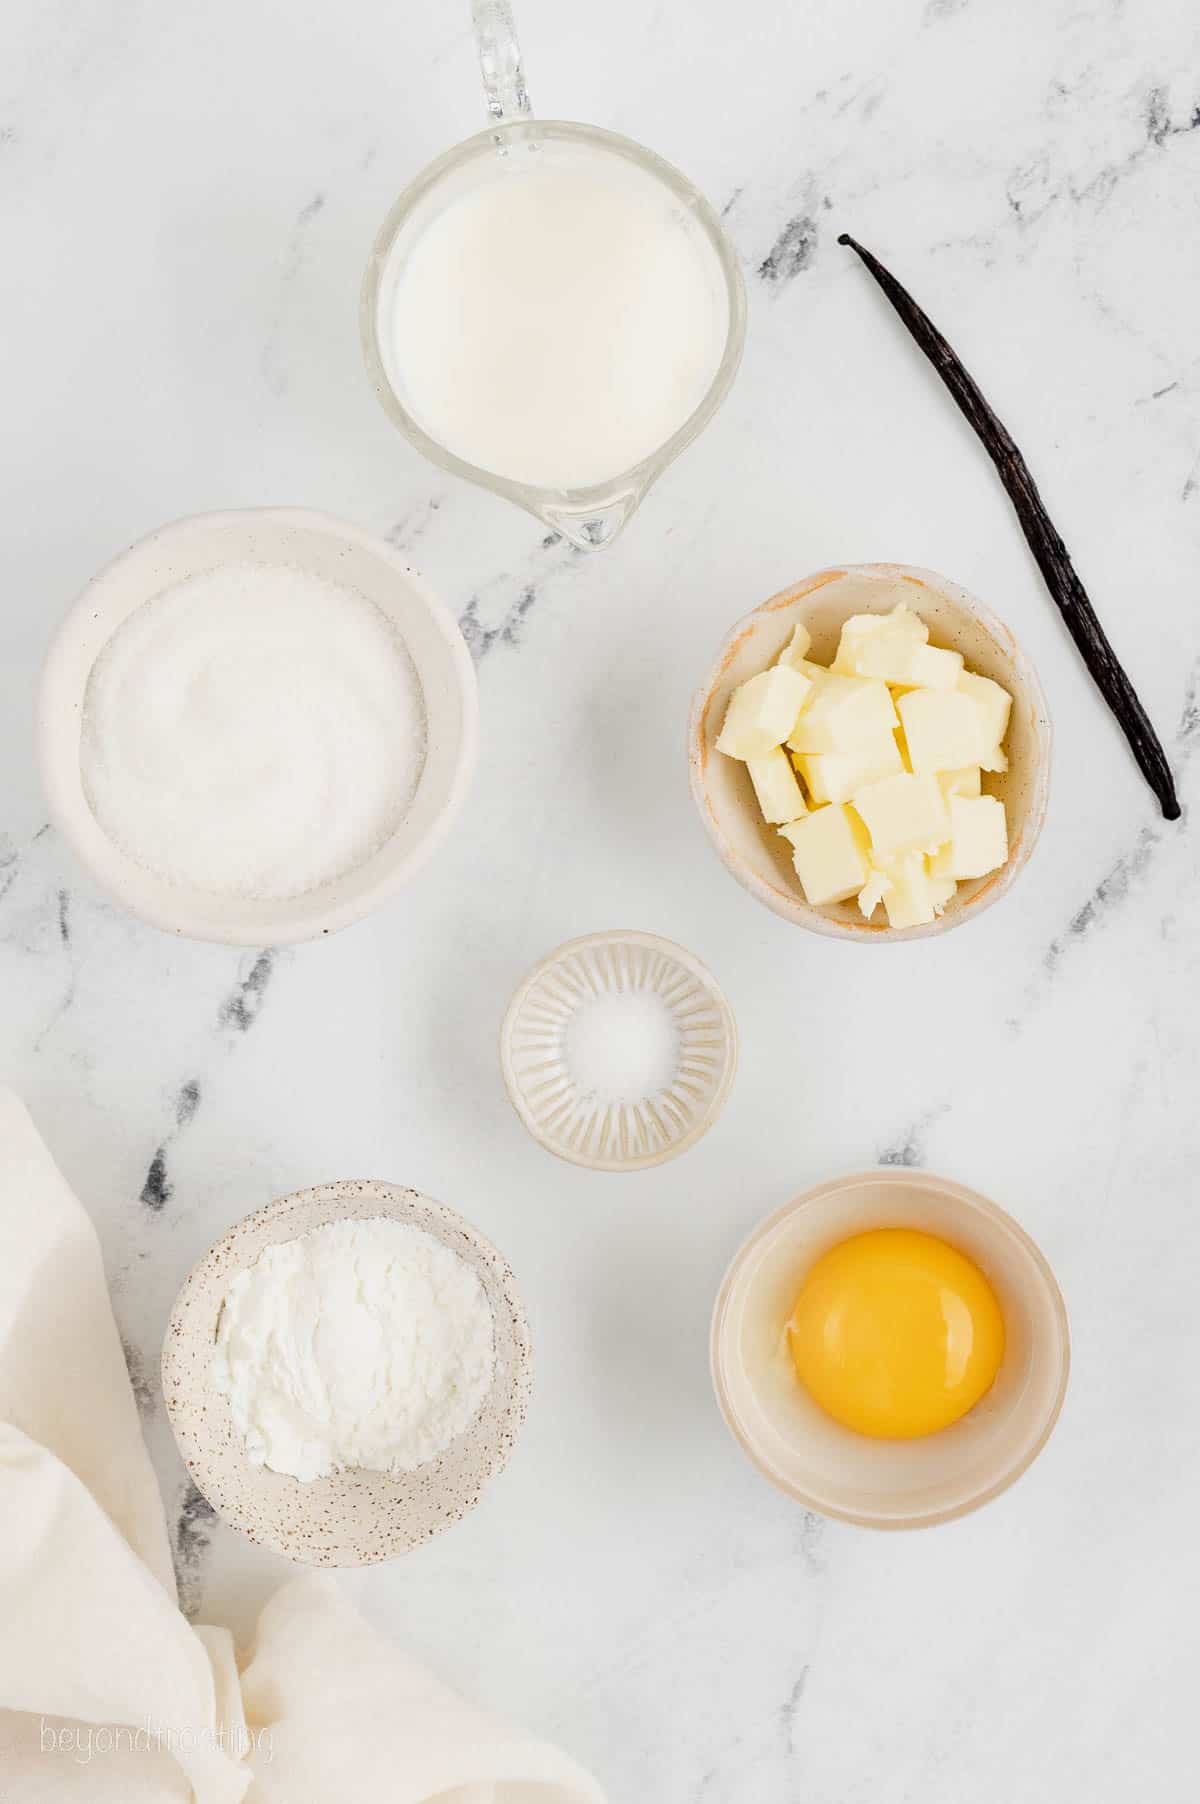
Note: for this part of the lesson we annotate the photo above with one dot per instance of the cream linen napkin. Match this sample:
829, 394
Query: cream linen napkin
107, 1694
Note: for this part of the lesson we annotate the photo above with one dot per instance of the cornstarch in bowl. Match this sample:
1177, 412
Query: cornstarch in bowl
346, 1371
254, 730
360, 1345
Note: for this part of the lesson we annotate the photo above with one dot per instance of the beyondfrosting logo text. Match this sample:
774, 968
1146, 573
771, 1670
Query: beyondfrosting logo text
84, 1741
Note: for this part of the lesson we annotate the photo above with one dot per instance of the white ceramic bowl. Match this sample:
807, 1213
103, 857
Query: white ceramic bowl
324, 547
828, 1468
350, 1518
757, 855
617, 1133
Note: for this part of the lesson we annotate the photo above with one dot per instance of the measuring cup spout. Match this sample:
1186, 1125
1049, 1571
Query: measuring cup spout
591, 528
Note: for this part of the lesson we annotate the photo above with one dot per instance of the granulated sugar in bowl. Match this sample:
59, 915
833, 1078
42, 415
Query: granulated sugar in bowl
254, 730
253, 727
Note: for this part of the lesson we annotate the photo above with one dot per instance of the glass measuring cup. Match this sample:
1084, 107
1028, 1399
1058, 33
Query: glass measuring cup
592, 515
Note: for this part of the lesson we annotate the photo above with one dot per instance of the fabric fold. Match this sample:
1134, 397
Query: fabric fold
62, 1369
320, 1682
107, 1693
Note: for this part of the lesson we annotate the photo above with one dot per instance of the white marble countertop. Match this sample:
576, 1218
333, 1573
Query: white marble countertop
189, 194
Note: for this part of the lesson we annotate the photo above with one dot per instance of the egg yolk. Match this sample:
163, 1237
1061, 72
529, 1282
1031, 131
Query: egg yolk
896, 1334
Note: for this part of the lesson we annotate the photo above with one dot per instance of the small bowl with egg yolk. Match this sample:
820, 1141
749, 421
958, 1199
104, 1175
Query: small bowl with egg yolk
896, 1467
758, 854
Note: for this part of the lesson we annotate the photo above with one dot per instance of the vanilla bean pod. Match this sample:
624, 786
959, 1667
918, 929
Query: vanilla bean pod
1053, 559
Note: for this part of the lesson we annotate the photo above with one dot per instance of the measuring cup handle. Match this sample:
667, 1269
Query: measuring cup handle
500, 60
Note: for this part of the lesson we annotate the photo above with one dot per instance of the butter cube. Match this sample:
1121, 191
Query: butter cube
995, 705
795, 652
834, 776
978, 838
994, 701
904, 814
762, 712
880, 645
933, 667
902, 884
895, 647
829, 851
941, 863
843, 713
908, 898
944, 729
941, 889
775, 785
873, 890
964, 782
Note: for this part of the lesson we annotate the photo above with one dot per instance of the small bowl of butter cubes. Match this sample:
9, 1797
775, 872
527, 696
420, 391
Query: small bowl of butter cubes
871, 753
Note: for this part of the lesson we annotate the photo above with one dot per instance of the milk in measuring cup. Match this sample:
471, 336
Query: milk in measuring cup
559, 320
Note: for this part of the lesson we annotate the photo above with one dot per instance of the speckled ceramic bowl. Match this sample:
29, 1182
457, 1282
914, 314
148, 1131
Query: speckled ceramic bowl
321, 546
356, 1517
828, 1468
758, 856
